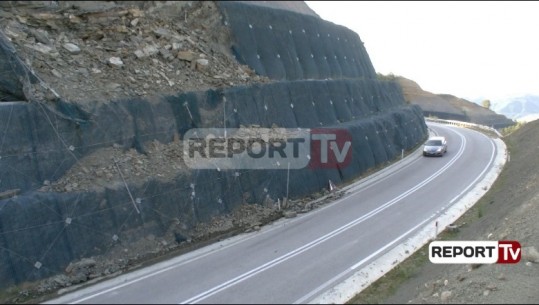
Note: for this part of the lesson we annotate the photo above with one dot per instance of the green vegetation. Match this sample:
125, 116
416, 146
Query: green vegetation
479, 211
509, 130
486, 104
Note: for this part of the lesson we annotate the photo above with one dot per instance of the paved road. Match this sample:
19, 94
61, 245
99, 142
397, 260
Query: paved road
294, 260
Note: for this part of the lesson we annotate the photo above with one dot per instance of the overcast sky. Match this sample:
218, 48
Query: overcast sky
468, 49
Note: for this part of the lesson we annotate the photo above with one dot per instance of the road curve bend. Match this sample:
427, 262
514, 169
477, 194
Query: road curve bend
298, 260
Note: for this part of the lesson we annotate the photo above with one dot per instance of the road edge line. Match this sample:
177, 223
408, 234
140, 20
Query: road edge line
361, 279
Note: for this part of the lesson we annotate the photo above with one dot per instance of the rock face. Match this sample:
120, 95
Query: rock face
77, 49
98, 171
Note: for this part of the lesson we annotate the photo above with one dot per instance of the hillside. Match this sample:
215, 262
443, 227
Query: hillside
446, 106
97, 99
509, 211
95, 51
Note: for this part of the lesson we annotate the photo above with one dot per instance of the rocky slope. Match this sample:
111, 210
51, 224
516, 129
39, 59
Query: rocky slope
89, 53
103, 50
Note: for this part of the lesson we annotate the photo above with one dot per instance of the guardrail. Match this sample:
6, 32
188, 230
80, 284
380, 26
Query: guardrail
464, 124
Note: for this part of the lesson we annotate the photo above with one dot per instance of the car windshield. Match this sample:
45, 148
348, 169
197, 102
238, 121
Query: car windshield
434, 143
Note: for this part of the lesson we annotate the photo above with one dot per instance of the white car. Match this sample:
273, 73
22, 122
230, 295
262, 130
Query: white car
435, 146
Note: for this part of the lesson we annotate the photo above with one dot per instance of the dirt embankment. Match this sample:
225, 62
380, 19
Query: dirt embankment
509, 211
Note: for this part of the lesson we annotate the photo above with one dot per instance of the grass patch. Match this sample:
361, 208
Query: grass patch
509, 130
479, 211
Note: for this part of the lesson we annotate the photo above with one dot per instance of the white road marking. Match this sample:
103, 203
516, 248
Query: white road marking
480, 175
328, 283
363, 261
240, 278
290, 254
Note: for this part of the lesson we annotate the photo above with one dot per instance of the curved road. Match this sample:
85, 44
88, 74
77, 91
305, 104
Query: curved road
295, 260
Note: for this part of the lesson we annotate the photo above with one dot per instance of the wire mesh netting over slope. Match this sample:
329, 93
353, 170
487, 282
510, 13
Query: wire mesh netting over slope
89, 189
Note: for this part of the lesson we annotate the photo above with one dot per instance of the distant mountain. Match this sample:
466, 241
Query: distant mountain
446, 106
522, 108
528, 118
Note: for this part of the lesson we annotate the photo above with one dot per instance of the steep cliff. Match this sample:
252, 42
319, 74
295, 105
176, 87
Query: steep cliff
90, 175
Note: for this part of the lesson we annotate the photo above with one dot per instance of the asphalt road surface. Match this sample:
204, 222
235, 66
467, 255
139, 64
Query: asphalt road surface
294, 260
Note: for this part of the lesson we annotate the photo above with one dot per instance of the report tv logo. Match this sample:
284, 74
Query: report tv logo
267, 148
330, 148
475, 252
